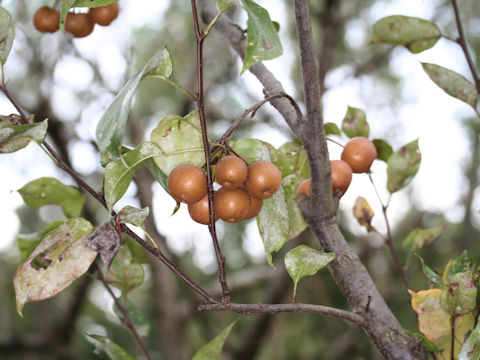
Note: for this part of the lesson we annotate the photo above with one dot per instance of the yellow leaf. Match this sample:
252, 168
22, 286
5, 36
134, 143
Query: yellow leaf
363, 212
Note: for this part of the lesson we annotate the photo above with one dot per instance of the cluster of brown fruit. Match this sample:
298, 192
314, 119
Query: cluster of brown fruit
79, 25
357, 157
241, 196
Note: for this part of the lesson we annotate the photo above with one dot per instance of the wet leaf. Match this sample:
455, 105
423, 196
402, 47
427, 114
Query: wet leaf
384, 150
138, 319
45, 191
355, 123
213, 350
273, 221
180, 138
461, 295
16, 137
118, 177
332, 129
471, 347
7, 34
297, 223
106, 240
420, 238
111, 349
402, 166
61, 258
452, 83
363, 213
433, 320
125, 273
263, 42
414, 33
27, 243
132, 215
111, 127
304, 261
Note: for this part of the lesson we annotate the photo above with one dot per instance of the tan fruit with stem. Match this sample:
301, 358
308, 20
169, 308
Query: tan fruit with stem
231, 172
46, 19
254, 208
232, 205
200, 211
187, 183
263, 179
79, 25
359, 153
304, 188
341, 176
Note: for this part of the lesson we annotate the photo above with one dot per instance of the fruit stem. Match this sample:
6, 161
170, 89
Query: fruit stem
199, 101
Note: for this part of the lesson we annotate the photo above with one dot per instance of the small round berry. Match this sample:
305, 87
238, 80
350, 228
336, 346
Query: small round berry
231, 172
187, 183
46, 19
79, 25
341, 176
263, 179
104, 15
232, 205
254, 208
359, 153
200, 211
304, 187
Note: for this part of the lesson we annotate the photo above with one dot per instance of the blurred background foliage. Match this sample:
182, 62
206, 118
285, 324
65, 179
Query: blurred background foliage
71, 81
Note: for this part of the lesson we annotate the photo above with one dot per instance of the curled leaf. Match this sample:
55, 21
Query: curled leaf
106, 240
355, 123
363, 212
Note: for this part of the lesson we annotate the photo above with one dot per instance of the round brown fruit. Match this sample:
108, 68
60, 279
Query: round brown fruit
341, 176
46, 19
359, 153
304, 187
232, 205
263, 179
254, 208
200, 212
79, 25
187, 183
231, 172
104, 15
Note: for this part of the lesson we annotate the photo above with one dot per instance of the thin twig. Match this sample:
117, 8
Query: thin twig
247, 309
463, 44
122, 309
452, 337
253, 109
200, 37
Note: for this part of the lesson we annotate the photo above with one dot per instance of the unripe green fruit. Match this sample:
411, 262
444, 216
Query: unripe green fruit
187, 183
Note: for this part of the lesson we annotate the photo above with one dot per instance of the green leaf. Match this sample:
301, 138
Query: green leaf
414, 33
138, 319
332, 129
297, 223
111, 349
125, 273
471, 347
92, 3
66, 5
429, 344
452, 83
420, 238
402, 166
132, 215
273, 221
355, 123
429, 273
384, 150
180, 138
157, 174
118, 176
45, 191
7, 34
224, 4
16, 137
28, 242
263, 42
61, 258
111, 127
213, 350
164, 66
304, 261
461, 296
461, 264
292, 159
